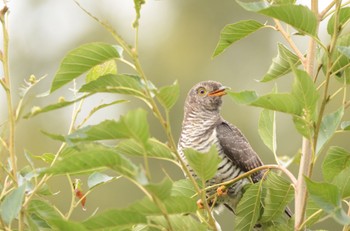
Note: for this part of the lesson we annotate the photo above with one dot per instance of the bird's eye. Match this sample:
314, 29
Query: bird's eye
201, 91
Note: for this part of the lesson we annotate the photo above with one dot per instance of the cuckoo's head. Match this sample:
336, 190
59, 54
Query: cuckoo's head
205, 95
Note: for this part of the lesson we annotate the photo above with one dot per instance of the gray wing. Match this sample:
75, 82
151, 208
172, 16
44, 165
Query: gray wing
238, 149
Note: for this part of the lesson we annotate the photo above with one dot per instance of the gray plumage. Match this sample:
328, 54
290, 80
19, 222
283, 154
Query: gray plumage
203, 127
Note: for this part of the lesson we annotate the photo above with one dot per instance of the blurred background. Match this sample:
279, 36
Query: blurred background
176, 40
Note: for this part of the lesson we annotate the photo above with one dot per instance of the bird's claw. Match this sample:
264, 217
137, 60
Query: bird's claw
221, 191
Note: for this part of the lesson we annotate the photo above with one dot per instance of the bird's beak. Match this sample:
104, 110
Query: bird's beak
219, 92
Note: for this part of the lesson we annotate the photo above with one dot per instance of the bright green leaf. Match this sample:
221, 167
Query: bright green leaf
120, 83
168, 95
109, 67
161, 190
204, 164
336, 160
298, 16
114, 218
154, 148
342, 181
311, 209
327, 196
282, 102
43, 209
54, 106
11, 205
137, 125
62, 224
281, 65
184, 188
279, 192
82, 59
180, 222
98, 178
243, 97
328, 127
95, 158
267, 129
46, 157
343, 18
235, 32
249, 208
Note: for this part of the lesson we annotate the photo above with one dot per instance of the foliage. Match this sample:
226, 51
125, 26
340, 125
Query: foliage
169, 204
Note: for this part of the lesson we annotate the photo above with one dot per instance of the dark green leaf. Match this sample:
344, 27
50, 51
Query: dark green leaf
109, 67
11, 205
336, 160
168, 95
82, 59
298, 16
95, 158
279, 192
98, 178
344, 16
249, 208
327, 196
121, 83
235, 32
204, 164
267, 129
281, 64
328, 127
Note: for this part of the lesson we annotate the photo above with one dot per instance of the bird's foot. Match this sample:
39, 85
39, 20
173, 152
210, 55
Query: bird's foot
221, 191
200, 204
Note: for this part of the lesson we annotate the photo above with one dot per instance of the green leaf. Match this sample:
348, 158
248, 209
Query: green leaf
115, 218
43, 209
109, 67
267, 129
311, 209
327, 196
168, 95
282, 102
161, 190
344, 16
342, 181
235, 32
279, 192
179, 222
98, 178
307, 95
52, 107
137, 4
62, 224
82, 59
184, 188
11, 205
249, 208
95, 158
336, 160
243, 97
281, 65
328, 127
153, 148
133, 125
172, 204
345, 125
204, 164
298, 16
120, 83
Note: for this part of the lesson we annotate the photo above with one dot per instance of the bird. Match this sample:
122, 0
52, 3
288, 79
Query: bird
203, 126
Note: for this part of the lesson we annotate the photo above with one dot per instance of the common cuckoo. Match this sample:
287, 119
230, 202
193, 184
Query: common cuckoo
203, 126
